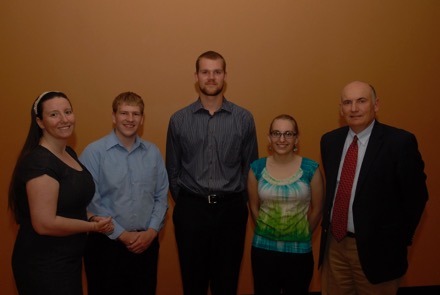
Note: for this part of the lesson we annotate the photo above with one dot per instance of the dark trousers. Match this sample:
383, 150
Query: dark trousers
112, 269
210, 240
281, 273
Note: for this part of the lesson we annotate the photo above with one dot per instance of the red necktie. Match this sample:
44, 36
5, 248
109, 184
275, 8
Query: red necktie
343, 194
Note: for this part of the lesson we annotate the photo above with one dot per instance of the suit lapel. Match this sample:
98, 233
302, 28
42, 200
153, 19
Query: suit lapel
374, 145
334, 160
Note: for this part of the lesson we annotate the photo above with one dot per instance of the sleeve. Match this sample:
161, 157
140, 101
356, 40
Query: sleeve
250, 148
90, 158
322, 145
310, 167
257, 167
160, 195
412, 182
173, 158
38, 164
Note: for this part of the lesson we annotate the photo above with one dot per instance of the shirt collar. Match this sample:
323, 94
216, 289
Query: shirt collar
364, 135
226, 106
113, 140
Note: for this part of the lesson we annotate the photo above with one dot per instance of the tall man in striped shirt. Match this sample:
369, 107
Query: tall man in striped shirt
210, 145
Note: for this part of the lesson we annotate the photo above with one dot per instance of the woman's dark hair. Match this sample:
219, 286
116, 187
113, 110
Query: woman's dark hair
32, 141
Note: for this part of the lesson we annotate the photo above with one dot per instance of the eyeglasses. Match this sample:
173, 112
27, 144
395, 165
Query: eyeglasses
278, 134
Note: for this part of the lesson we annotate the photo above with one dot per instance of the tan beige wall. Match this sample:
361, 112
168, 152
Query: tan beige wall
284, 56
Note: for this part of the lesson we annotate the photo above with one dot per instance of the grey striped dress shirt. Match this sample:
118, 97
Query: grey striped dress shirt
210, 154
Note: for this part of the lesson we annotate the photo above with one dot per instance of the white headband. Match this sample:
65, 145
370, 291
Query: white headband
38, 100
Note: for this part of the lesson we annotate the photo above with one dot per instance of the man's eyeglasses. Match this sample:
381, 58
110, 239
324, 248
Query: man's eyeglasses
278, 134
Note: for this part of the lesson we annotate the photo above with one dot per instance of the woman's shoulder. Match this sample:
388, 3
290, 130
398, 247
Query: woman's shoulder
258, 165
38, 162
37, 156
71, 152
308, 163
259, 162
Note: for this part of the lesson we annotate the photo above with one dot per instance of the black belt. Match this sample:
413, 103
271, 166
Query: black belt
211, 198
350, 235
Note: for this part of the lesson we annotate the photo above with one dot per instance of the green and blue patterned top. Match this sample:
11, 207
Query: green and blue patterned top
282, 223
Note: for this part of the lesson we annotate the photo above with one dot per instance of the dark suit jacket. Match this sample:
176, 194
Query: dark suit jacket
390, 197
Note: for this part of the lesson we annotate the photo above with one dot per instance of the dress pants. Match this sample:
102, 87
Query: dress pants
210, 240
112, 269
281, 273
342, 272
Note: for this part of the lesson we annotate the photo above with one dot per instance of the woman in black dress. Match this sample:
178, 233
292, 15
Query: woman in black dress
49, 192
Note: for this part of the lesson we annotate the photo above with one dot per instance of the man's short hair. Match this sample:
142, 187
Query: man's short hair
129, 98
210, 55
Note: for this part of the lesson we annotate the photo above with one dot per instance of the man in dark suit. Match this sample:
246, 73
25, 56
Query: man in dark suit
385, 199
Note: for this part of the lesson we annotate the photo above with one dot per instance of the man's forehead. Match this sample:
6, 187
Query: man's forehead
356, 92
129, 106
211, 63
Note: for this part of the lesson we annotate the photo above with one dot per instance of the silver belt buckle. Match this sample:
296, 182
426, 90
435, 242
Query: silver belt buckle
212, 199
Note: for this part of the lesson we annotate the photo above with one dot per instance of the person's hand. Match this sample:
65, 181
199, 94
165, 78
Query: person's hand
138, 242
103, 224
